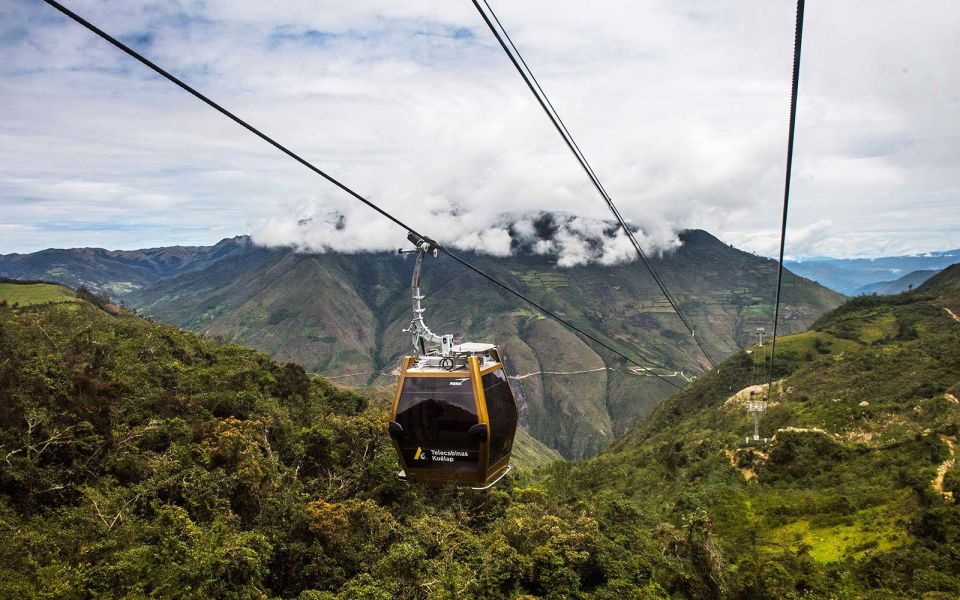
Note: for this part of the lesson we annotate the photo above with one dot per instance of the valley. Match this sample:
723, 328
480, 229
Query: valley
342, 316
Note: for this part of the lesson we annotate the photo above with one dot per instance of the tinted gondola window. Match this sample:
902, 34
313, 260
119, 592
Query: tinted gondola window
502, 410
436, 414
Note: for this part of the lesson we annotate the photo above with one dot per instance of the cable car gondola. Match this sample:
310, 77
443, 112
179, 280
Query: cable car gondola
454, 415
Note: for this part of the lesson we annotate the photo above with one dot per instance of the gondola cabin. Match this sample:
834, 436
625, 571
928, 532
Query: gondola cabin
454, 417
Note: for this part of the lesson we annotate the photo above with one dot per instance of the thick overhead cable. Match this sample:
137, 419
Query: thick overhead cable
797, 41
186, 87
530, 79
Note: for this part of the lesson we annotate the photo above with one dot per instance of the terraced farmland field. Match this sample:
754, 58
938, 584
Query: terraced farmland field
28, 294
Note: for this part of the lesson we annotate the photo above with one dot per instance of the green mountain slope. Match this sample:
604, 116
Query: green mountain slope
945, 288
342, 316
143, 461
859, 488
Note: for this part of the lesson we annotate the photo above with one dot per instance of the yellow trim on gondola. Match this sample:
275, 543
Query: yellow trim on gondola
481, 401
403, 373
404, 365
478, 396
491, 369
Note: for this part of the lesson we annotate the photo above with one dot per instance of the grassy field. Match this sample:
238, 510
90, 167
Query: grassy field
803, 345
867, 530
28, 294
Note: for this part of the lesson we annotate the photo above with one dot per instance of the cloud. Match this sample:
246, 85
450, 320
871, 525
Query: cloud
572, 240
681, 109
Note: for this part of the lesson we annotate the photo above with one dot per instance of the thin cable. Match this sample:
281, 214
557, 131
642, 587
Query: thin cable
186, 87
530, 79
797, 41
561, 127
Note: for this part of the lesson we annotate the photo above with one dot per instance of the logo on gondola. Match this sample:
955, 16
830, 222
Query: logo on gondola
459, 381
418, 454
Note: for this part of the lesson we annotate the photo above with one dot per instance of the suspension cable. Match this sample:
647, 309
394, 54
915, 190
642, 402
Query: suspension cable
200, 96
530, 79
797, 41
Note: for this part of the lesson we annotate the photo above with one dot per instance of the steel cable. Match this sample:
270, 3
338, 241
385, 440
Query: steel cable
797, 42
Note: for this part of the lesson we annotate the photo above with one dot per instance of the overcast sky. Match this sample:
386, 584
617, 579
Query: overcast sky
681, 107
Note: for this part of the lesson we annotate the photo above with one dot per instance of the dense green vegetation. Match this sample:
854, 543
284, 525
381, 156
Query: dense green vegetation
142, 461
856, 495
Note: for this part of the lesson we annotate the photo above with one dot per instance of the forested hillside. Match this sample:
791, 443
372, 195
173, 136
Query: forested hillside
856, 496
143, 461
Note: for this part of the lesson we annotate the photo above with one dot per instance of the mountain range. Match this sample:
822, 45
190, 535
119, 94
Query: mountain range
855, 276
342, 315
906, 283
116, 272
